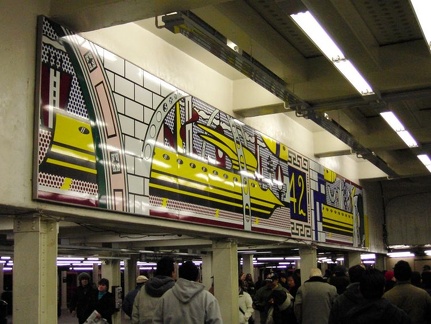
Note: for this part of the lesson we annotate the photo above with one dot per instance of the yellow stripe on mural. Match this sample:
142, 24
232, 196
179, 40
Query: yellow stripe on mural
71, 166
73, 153
337, 215
178, 191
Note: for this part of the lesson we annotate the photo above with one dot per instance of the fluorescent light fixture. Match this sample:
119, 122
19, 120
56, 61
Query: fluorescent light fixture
368, 256
271, 259
425, 161
422, 9
327, 46
399, 128
400, 254
428, 252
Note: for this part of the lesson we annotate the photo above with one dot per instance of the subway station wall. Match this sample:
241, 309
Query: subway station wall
112, 136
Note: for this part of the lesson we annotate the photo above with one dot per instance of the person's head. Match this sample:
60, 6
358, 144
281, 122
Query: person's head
188, 270
291, 280
103, 285
315, 272
340, 271
84, 278
141, 280
355, 273
279, 297
402, 271
389, 275
242, 276
283, 278
248, 277
426, 267
166, 267
272, 280
372, 284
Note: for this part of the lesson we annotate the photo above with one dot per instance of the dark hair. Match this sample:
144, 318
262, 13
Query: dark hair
355, 273
165, 266
372, 284
188, 270
402, 271
105, 282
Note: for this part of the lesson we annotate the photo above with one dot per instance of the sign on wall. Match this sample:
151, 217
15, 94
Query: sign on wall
112, 136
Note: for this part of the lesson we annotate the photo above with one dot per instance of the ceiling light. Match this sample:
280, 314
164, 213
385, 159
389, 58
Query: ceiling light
398, 127
425, 160
422, 8
311, 27
400, 254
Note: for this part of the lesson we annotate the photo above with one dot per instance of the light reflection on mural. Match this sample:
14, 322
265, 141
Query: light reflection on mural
112, 136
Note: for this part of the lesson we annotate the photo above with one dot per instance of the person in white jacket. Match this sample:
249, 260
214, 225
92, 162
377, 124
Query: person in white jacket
188, 301
245, 304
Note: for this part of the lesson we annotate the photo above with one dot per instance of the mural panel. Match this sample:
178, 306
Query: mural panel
111, 135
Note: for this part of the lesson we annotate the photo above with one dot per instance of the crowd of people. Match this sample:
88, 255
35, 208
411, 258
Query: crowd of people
342, 296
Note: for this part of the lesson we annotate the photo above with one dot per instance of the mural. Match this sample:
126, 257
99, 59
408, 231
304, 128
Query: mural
112, 136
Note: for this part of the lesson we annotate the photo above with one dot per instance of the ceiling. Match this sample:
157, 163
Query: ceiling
382, 39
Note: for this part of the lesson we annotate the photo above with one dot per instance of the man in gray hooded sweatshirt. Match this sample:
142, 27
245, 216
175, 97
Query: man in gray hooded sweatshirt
147, 297
188, 301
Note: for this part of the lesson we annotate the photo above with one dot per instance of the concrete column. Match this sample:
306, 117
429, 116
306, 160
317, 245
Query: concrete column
380, 262
352, 259
247, 263
308, 257
64, 290
130, 273
35, 270
111, 271
96, 274
225, 267
1, 278
207, 270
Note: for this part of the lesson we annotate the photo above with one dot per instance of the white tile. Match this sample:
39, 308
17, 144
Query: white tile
151, 82
130, 163
114, 63
124, 87
156, 100
142, 167
136, 184
119, 102
148, 114
134, 110
143, 96
127, 125
140, 130
134, 73
133, 146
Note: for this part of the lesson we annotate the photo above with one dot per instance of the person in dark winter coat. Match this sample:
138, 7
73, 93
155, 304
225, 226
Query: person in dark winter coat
339, 279
82, 303
105, 303
127, 305
369, 306
350, 298
415, 301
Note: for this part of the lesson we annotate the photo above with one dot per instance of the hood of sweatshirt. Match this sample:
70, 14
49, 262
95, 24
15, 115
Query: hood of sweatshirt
158, 285
185, 290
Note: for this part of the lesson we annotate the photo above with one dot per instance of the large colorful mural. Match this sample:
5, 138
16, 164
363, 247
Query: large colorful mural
112, 136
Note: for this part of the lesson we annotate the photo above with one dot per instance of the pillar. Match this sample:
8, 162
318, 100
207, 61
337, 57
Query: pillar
308, 257
130, 273
63, 289
35, 270
247, 264
111, 271
225, 268
352, 259
207, 270
380, 262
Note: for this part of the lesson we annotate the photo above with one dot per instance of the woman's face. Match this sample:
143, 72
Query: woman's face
102, 287
290, 282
